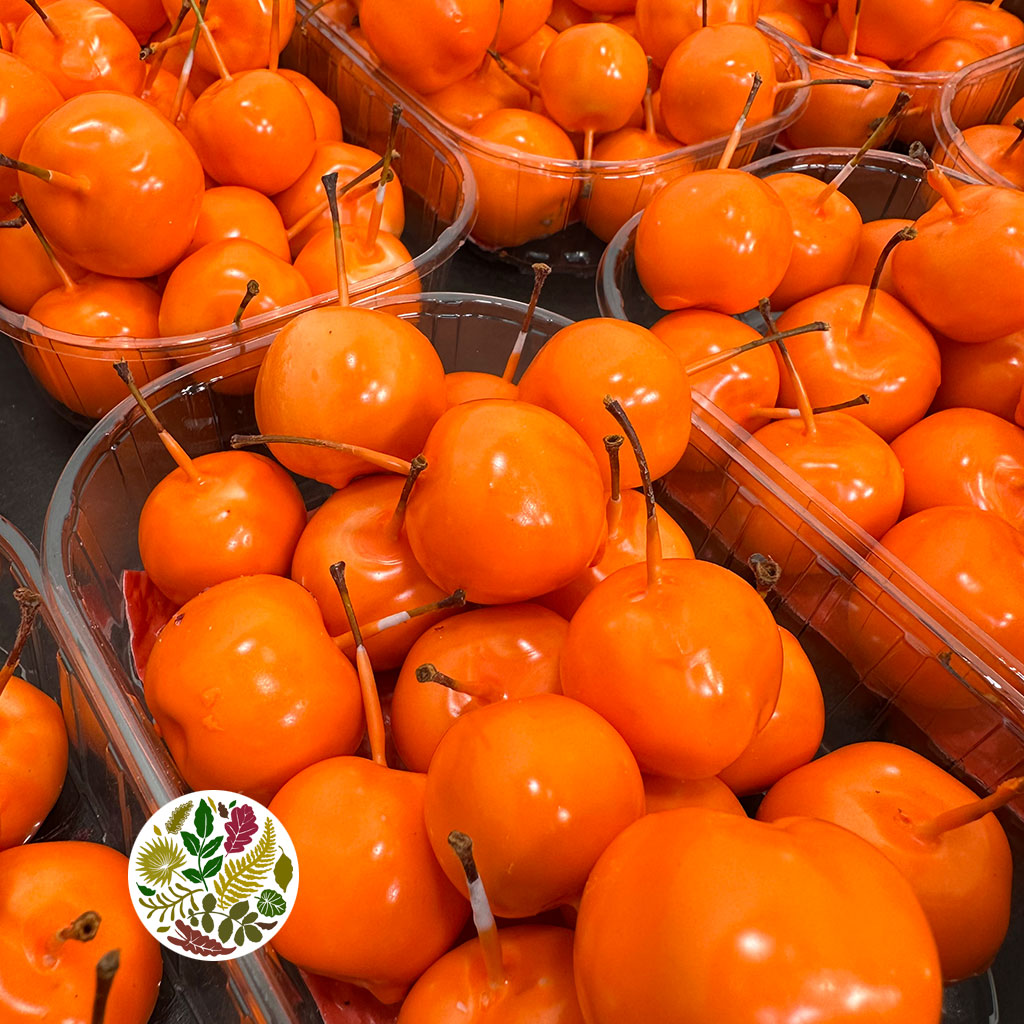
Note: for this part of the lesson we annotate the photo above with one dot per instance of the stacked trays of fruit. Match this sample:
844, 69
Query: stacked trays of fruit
511, 507
976, 128
154, 262
916, 46
74, 783
563, 159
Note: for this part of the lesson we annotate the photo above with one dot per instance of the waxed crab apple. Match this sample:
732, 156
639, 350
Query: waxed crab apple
511, 504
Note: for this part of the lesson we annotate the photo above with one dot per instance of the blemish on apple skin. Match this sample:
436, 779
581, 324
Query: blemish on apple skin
179, 618
211, 696
210, 722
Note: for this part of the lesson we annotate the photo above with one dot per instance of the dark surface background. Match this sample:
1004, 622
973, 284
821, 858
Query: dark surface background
35, 442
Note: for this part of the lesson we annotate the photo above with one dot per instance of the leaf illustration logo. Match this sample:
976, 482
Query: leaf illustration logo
213, 875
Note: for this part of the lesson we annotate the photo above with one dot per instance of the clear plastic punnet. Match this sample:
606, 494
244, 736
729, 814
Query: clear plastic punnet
981, 93
533, 208
869, 631
440, 205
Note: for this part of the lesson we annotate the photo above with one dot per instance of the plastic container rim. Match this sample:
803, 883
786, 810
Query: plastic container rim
890, 75
948, 132
445, 245
580, 168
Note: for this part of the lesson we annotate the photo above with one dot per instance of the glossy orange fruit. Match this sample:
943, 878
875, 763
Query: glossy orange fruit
718, 240
44, 887
352, 375
542, 784
247, 688
657, 940
888, 795
793, 733
499, 653
582, 363
358, 525
511, 505
688, 681
373, 906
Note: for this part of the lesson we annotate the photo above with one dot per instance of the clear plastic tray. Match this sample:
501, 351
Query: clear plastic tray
723, 492
883, 185
568, 247
926, 88
440, 204
106, 800
979, 94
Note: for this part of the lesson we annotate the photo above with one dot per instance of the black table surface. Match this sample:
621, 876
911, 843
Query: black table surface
35, 442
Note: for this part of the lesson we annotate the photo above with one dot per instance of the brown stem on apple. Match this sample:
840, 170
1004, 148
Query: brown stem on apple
186, 69
737, 129
938, 180
65, 277
851, 45
960, 816
160, 50
767, 573
174, 449
330, 184
29, 603
851, 403
653, 531
514, 73
803, 402
806, 83
381, 460
309, 14
105, 970
161, 46
711, 361
252, 289
1012, 148
14, 222
778, 413
903, 235
50, 26
416, 467
74, 183
881, 130
540, 275
704, 14
483, 918
367, 684
204, 28
428, 673
324, 205
344, 641
612, 444
386, 175
84, 928
275, 35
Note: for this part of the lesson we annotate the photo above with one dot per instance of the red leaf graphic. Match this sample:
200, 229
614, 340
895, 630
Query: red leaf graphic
241, 827
194, 941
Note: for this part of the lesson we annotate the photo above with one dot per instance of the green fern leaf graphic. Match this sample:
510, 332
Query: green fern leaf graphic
178, 817
244, 876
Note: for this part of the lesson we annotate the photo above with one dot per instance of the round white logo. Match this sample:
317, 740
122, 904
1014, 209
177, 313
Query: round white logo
213, 875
